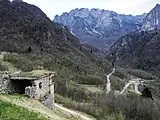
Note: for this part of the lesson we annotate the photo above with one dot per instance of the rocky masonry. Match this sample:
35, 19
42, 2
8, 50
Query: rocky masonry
38, 88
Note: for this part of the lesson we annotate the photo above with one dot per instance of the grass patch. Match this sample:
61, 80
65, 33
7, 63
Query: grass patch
37, 73
9, 111
92, 88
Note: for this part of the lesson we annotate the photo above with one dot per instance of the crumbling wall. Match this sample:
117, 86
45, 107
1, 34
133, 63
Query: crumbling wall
4, 84
42, 89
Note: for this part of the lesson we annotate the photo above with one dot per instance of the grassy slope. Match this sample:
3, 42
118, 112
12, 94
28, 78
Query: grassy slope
19, 107
9, 111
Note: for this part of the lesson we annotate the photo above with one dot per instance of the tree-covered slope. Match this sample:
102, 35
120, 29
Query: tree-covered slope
140, 50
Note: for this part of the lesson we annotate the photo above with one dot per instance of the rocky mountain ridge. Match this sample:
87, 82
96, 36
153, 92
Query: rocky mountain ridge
99, 27
152, 19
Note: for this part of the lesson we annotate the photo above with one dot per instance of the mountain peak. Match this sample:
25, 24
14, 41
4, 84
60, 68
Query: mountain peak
152, 20
157, 5
156, 8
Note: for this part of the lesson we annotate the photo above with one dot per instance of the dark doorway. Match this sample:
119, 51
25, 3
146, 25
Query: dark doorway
18, 86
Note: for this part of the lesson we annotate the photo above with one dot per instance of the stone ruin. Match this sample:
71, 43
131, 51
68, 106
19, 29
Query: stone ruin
41, 88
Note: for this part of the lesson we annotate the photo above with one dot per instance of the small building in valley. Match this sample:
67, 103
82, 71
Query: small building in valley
40, 88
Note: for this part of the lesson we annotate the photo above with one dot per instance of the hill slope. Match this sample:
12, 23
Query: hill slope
138, 50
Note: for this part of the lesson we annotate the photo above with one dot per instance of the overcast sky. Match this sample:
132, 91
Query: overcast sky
134, 7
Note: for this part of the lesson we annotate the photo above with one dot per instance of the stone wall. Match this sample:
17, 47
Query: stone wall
4, 83
40, 88
48, 100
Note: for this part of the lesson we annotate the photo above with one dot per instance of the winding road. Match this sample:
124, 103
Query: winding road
134, 82
108, 84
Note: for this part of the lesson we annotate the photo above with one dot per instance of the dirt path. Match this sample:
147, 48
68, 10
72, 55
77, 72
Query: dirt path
73, 112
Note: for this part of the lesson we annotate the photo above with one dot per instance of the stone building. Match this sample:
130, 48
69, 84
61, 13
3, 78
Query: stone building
41, 88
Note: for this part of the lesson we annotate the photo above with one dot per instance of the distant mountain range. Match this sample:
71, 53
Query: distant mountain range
101, 28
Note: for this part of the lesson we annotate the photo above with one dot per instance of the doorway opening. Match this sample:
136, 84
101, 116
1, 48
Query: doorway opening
18, 86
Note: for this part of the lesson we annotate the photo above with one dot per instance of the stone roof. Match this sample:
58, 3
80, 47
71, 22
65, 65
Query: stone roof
22, 78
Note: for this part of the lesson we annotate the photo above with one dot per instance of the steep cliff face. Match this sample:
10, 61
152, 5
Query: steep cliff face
99, 27
139, 50
152, 20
